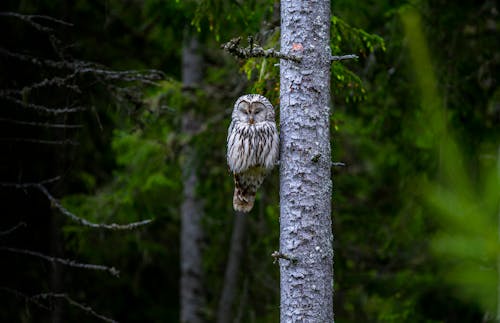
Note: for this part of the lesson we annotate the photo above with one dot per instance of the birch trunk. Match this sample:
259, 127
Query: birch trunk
305, 164
191, 289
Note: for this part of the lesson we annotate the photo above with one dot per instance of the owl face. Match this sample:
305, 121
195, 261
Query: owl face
252, 109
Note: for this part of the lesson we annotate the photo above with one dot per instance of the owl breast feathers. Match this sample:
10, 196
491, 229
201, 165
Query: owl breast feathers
252, 147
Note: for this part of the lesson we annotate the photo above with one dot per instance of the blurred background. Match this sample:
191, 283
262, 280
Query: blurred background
118, 110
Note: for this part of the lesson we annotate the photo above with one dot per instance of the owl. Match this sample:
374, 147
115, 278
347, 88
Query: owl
252, 147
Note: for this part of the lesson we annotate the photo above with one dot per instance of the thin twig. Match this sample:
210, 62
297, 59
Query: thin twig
338, 164
113, 271
24, 296
71, 301
38, 107
55, 81
343, 57
27, 185
30, 18
14, 228
40, 124
43, 296
41, 141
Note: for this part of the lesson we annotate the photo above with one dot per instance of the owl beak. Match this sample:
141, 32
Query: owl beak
251, 121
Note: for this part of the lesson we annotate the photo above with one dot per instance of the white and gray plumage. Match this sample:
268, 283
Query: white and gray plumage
252, 147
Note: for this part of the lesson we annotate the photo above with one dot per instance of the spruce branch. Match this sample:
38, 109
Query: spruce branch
71, 263
254, 50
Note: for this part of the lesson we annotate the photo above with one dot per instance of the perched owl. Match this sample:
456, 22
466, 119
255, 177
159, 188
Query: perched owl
252, 147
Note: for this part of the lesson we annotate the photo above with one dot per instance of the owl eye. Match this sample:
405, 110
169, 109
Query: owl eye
243, 106
258, 107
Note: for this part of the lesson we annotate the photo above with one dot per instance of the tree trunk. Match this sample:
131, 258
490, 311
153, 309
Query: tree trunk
226, 302
305, 164
191, 289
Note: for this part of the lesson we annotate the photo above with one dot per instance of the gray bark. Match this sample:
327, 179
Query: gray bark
230, 286
305, 164
191, 287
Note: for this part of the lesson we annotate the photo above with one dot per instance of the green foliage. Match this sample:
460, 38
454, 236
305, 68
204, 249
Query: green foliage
466, 207
356, 40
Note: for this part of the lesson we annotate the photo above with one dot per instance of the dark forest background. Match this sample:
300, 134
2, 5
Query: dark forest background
92, 104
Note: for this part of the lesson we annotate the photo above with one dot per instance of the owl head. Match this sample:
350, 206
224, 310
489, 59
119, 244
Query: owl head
252, 109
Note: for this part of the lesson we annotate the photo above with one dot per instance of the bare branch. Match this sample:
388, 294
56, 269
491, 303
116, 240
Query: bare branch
38, 107
112, 226
113, 271
82, 67
338, 164
56, 204
24, 296
35, 299
40, 124
41, 141
14, 228
70, 301
254, 50
343, 57
27, 185
55, 81
30, 18
276, 255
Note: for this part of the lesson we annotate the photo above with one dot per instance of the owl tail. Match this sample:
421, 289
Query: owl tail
245, 188
243, 201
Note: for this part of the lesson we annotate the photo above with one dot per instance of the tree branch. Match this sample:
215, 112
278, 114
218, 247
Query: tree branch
254, 50
14, 228
343, 57
38, 107
71, 263
43, 296
24, 296
41, 141
277, 254
45, 124
71, 301
55, 204
30, 19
